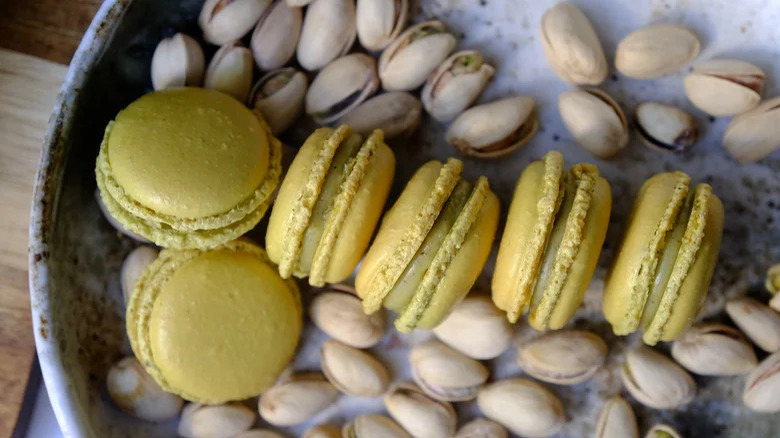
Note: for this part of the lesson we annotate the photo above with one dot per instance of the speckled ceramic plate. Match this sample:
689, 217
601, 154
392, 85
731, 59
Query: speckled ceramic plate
75, 255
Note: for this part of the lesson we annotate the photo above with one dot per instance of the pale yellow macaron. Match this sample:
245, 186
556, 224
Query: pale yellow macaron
188, 168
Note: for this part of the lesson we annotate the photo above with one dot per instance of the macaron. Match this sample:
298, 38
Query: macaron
214, 325
431, 246
188, 168
662, 271
329, 204
553, 236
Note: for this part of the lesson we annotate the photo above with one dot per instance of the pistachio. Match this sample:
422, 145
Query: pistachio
297, 3
337, 311
379, 21
774, 303
328, 32
215, 421
279, 97
617, 420
297, 400
340, 87
482, 428
353, 371
420, 415
373, 426
134, 264
759, 322
115, 223
456, 84
476, 328
724, 87
655, 381
136, 392
322, 431
230, 71
772, 282
665, 127
225, 20
656, 50
714, 350
595, 120
763, 385
259, 433
413, 55
522, 406
494, 129
662, 431
446, 374
754, 134
396, 113
572, 47
276, 35
565, 357
177, 61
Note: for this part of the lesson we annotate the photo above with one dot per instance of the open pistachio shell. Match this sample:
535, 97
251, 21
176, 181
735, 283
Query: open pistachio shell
379, 21
595, 121
353, 371
279, 97
230, 71
446, 374
754, 134
565, 357
656, 50
276, 35
177, 61
337, 311
763, 385
617, 420
328, 32
494, 129
215, 421
655, 380
724, 87
522, 406
420, 415
665, 127
572, 47
223, 21
340, 87
759, 322
134, 391
295, 401
373, 426
714, 350
456, 84
396, 113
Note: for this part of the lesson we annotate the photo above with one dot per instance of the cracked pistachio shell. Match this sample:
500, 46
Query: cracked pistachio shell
476, 328
259, 433
456, 84
446, 374
772, 282
177, 61
482, 428
373, 426
137, 393
340, 87
380, 21
656, 50
655, 380
595, 120
396, 113
353, 371
758, 322
322, 431
617, 420
714, 350
754, 134
328, 32
662, 431
406, 63
279, 97
225, 20
276, 35
565, 357
420, 415
724, 87
134, 264
523, 406
494, 129
215, 421
572, 47
665, 127
297, 400
763, 386
230, 71
115, 223
338, 312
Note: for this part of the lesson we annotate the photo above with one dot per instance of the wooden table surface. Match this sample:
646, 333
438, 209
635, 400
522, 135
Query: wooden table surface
38, 40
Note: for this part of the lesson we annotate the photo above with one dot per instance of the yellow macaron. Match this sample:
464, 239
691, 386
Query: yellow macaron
214, 325
329, 204
431, 246
662, 271
188, 168
554, 232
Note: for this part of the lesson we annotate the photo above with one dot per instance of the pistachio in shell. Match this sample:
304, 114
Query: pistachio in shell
134, 391
724, 87
223, 21
340, 87
655, 380
616, 420
494, 129
754, 134
419, 414
215, 421
662, 431
177, 61
655, 50
230, 71
276, 36
482, 428
759, 322
115, 223
338, 312
259, 433
353, 371
445, 373
476, 328
396, 113
595, 120
522, 406
279, 95
328, 32
135, 263
571, 46
379, 21
772, 282
665, 127
373, 426
762, 386
714, 349
297, 400
564, 357
456, 84
322, 431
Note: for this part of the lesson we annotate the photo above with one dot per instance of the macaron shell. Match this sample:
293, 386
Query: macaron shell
359, 207
536, 200
628, 283
699, 251
403, 230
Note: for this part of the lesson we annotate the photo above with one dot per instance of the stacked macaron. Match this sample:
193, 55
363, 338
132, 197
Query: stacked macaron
431, 246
